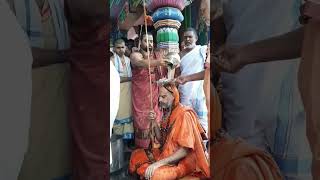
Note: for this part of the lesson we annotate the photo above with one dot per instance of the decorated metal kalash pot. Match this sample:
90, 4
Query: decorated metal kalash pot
167, 18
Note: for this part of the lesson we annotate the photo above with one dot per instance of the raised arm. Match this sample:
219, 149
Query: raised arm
192, 77
138, 60
283, 47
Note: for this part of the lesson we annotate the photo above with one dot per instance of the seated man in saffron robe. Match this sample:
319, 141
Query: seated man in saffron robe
180, 134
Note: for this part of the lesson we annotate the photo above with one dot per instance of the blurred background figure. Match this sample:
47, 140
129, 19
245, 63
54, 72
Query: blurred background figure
16, 86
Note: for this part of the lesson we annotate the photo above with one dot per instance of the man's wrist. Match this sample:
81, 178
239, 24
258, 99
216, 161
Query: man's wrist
162, 162
245, 57
187, 78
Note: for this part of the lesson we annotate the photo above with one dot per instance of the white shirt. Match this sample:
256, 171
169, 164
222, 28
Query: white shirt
114, 98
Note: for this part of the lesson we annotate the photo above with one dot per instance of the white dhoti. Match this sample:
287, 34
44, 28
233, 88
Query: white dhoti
192, 93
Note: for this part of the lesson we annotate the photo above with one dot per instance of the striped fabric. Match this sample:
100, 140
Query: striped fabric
29, 17
167, 13
123, 71
155, 4
290, 148
167, 23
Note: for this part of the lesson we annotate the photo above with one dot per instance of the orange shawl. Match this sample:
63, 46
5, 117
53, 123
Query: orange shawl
184, 130
236, 160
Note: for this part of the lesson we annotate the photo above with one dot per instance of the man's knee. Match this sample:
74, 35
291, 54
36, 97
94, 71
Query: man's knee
136, 158
164, 173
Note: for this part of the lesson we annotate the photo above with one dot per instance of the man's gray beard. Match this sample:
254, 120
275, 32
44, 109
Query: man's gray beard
189, 47
167, 112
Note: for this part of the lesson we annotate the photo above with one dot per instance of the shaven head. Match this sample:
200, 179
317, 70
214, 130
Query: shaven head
119, 47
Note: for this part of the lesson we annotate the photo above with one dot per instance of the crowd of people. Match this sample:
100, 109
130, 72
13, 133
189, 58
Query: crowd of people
172, 125
245, 110
54, 85
261, 119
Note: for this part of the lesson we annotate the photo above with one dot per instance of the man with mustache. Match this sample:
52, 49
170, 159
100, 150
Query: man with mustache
180, 136
141, 88
192, 59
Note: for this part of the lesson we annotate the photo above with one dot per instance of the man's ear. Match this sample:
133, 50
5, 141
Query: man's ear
196, 37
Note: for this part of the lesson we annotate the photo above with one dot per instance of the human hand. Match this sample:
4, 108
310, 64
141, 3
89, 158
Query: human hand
161, 52
152, 116
181, 80
164, 62
228, 59
151, 169
303, 19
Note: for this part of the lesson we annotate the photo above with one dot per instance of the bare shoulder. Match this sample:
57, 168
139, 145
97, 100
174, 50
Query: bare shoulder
136, 56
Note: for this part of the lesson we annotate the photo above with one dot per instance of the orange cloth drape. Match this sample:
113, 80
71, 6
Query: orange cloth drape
185, 132
236, 160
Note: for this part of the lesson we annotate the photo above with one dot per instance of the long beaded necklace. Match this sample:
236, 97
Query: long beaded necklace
165, 126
